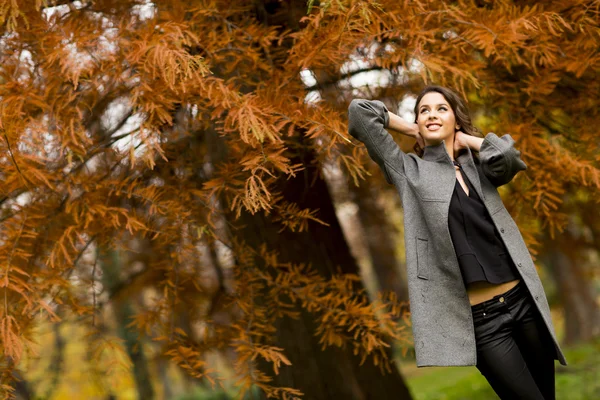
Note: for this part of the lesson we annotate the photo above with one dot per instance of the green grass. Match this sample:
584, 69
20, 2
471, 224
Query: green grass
449, 383
580, 380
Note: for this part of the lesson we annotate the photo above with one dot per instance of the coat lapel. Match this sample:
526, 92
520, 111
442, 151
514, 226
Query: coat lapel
466, 161
438, 153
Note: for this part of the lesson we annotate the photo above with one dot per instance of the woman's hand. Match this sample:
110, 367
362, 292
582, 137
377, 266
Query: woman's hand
461, 141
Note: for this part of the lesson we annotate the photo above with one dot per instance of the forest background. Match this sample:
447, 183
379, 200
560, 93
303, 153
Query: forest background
184, 215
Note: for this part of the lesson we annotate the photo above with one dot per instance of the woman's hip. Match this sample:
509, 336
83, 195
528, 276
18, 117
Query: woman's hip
499, 317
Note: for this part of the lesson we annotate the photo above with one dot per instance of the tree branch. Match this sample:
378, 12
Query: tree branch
321, 85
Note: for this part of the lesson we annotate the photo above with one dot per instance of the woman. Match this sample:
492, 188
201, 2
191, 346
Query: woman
475, 295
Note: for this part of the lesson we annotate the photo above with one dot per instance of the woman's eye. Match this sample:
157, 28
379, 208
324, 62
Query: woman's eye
423, 110
443, 109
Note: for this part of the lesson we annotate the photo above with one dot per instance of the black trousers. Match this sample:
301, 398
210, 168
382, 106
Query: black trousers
515, 351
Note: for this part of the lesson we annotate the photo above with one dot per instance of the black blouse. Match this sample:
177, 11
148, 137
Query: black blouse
482, 255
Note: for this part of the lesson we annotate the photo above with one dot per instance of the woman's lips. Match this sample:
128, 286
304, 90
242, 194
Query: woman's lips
433, 127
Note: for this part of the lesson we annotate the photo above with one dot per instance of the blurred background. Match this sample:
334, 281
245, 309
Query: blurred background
184, 215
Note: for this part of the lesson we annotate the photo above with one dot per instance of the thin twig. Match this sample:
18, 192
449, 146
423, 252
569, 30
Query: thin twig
15, 162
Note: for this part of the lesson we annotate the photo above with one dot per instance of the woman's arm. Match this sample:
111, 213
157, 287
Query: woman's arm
367, 122
402, 126
464, 140
499, 158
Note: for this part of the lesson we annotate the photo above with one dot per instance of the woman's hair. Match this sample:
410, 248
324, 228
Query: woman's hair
458, 105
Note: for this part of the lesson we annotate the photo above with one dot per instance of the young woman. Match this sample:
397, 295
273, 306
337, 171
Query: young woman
475, 295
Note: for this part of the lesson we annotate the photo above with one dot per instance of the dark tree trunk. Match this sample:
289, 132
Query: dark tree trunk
333, 373
581, 311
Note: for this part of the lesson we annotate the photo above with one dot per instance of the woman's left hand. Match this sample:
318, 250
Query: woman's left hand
460, 141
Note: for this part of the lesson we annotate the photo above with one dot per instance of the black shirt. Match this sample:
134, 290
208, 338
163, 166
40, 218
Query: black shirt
482, 255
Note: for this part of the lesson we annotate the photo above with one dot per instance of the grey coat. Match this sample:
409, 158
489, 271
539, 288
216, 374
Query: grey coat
442, 322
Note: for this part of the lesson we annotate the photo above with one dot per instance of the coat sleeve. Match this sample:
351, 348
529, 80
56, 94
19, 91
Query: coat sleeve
500, 160
367, 122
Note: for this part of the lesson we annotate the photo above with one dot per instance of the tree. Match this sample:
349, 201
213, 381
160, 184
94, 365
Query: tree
570, 258
112, 263
104, 107
319, 368
380, 235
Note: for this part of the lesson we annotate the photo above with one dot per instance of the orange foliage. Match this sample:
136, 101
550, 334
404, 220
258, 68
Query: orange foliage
105, 112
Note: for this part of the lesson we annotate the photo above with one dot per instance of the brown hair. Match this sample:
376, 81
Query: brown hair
459, 107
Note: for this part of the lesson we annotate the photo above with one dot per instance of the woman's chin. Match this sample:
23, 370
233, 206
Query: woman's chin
432, 142
433, 138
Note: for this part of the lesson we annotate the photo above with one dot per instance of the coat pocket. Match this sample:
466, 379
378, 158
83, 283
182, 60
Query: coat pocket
422, 258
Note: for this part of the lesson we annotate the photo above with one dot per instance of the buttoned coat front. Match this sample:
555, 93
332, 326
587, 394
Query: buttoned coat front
442, 323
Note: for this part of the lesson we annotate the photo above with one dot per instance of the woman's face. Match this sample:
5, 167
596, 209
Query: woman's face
436, 119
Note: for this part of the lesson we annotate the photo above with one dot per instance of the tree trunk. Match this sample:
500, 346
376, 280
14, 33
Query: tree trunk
335, 372
379, 235
581, 311
22, 387
57, 360
111, 265
378, 230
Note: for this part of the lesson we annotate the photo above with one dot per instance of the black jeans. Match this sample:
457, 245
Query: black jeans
515, 351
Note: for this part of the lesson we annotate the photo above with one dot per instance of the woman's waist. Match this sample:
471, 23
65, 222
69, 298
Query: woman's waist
480, 292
